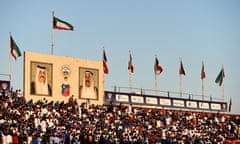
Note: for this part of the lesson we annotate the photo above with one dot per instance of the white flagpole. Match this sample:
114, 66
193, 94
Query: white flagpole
202, 89
130, 81
156, 80
9, 60
130, 63
222, 83
156, 85
52, 33
130, 74
180, 79
180, 86
202, 81
223, 91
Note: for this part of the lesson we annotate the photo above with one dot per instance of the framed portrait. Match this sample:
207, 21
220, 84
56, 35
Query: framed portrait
88, 83
41, 78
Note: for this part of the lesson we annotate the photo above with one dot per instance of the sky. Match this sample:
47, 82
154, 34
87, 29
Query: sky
195, 31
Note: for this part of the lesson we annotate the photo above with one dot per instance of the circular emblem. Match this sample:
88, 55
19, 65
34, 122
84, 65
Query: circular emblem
66, 70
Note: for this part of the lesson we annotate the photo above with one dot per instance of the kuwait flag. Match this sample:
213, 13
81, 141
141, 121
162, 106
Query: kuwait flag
220, 77
157, 67
105, 67
203, 74
130, 64
14, 50
61, 25
181, 69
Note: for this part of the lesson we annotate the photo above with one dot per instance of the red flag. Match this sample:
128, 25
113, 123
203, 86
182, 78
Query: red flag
130, 64
157, 67
181, 70
203, 74
105, 67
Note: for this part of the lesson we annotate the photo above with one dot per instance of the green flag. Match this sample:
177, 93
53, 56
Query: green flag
61, 25
14, 50
220, 77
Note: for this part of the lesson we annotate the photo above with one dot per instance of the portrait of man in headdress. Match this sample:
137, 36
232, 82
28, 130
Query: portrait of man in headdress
41, 78
88, 84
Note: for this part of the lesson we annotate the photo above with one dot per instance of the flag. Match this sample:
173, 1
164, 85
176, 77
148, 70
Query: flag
14, 49
203, 74
65, 89
220, 77
61, 25
230, 105
105, 67
157, 67
181, 70
130, 64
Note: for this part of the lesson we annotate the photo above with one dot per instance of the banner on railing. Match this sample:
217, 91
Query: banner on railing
161, 101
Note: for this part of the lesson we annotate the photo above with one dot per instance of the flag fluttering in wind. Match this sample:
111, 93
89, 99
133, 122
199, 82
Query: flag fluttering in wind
61, 25
181, 70
130, 64
230, 105
203, 74
105, 67
220, 77
157, 67
14, 49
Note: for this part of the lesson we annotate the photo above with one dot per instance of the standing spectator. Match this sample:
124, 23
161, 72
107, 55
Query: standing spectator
34, 139
15, 139
67, 137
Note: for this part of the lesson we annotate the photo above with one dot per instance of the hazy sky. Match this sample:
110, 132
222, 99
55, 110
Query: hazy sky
197, 31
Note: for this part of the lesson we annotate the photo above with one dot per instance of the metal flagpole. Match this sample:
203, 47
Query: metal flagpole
52, 32
180, 78
180, 85
156, 85
202, 89
130, 72
9, 60
155, 69
203, 77
223, 83
130, 81
223, 91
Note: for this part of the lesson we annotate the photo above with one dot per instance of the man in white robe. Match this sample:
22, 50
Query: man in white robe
88, 90
40, 86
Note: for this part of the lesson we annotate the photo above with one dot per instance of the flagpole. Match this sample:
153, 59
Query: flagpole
130, 81
103, 59
222, 83
223, 91
130, 76
180, 86
180, 79
52, 33
155, 75
156, 85
203, 72
130, 71
9, 60
202, 89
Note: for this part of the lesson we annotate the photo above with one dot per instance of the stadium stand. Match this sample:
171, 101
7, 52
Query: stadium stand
48, 122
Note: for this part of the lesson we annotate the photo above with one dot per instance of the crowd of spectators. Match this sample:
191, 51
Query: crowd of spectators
48, 122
